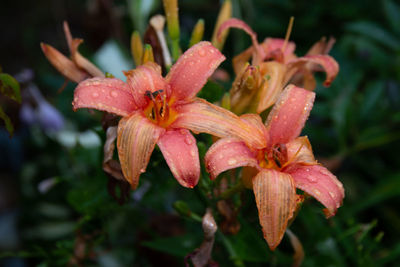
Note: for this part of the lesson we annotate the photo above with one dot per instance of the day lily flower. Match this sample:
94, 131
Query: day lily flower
284, 163
161, 111
277, 65
77, 68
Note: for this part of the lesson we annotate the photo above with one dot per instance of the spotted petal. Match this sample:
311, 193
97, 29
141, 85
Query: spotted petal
180, 151
189, 74
228, 153
201, 116
106, 94
317, 181
145, 78
276, 200
287, 118
137, 137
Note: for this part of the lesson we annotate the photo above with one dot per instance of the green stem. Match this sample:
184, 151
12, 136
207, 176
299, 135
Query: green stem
233, 190
232, 253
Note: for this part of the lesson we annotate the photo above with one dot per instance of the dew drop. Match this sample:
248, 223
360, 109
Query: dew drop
232, 161
114, 93
192, 153
95, 94
188, 140
202, 53
220, 156
332, 194
317, 192
191, 63
211, 65
142, 170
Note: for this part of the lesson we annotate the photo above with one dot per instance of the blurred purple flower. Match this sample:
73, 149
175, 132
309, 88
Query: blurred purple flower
35, 109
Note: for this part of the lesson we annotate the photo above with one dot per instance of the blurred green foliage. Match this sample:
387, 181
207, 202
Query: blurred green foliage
67, 216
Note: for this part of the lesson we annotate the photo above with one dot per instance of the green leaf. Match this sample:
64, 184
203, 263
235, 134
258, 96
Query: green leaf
178, 246
392, 12
375, 32
211, 92
10, 87
7, 122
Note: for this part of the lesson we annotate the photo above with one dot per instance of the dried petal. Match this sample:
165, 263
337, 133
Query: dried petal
317, 181
228, 153
189, 74
287, 118
179, 149
276, 200
137, 137
82, 62
201, 116
107, 94
63, 64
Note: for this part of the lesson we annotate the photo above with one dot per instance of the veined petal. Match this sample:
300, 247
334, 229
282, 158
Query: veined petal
322, 46
254, 120
180, 151
237, 23
273, 84
145, 78
63, 64
299, 151
107, 94
189, 74
137, 137
276, 200
287, 118
201, 116
317, 181
328, 63
229, 153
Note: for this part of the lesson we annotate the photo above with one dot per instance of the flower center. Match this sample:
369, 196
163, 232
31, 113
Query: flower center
159, 109
274, 158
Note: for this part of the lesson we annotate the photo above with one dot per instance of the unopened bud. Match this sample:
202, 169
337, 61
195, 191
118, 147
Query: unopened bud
136, 48
198, 32
148, 54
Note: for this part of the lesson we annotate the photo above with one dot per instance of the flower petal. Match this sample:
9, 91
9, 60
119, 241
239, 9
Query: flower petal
201, 116
287, 118
189, 74
273, 85
107, 94
328, 63
180, 151
229, 153
145, 78
299, 151
276, 200
137, 137
273, 45
63, 64
317, 181
237, 23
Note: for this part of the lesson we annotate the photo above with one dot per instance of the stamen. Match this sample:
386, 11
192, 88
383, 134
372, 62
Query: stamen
288, 32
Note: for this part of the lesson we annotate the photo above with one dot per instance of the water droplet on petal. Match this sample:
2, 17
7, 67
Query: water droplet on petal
95, 94
114, 93
142, 170
317, 192
202, 53
232, 161
192, 153
191, 63
188, 140
332, 194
